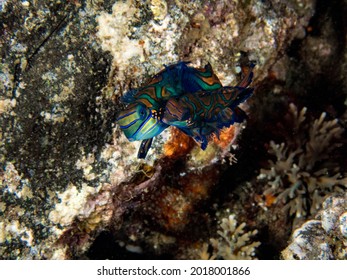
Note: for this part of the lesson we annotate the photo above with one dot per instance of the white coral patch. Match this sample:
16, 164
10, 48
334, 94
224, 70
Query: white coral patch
114, 31
71, 205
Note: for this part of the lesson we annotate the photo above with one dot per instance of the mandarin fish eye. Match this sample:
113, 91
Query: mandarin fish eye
142, 111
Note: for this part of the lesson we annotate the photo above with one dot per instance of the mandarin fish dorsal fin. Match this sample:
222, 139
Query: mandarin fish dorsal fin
129, 96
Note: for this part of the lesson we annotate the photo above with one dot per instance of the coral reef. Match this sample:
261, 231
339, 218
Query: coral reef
201, 31
323, 238
71, 185
233, 243
303, 171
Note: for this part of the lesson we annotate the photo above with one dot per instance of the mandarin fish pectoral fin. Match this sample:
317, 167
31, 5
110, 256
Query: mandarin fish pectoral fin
144, 148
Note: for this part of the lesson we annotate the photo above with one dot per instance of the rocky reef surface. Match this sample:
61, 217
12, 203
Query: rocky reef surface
322, 238
71, 185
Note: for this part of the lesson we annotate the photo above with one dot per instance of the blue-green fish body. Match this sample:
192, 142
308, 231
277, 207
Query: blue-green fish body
203, 113
173, 81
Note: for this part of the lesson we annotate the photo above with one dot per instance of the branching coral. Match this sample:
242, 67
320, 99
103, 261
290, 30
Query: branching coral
303, 171
233, 243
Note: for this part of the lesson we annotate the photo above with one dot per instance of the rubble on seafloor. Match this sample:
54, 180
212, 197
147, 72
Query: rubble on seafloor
71, 184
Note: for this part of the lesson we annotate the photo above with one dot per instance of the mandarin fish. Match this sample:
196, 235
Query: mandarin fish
203, 113
141, 119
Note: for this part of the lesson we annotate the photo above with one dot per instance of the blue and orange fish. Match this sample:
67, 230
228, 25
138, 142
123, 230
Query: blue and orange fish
203, 113
192, 99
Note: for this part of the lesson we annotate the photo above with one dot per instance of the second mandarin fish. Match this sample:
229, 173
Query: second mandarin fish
203, 113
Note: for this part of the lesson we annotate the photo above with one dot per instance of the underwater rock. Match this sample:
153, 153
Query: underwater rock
65, 65
200, 31
324, 237
51, 124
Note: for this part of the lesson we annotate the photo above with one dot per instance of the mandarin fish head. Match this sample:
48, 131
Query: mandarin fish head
138, 123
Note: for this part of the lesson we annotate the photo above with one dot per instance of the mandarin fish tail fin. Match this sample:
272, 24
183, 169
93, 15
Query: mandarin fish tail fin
228, 117
236, 114
242, 95
239, 115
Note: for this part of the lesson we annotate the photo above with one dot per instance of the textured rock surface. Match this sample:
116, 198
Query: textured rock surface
67, 173
52, 125
323, 238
